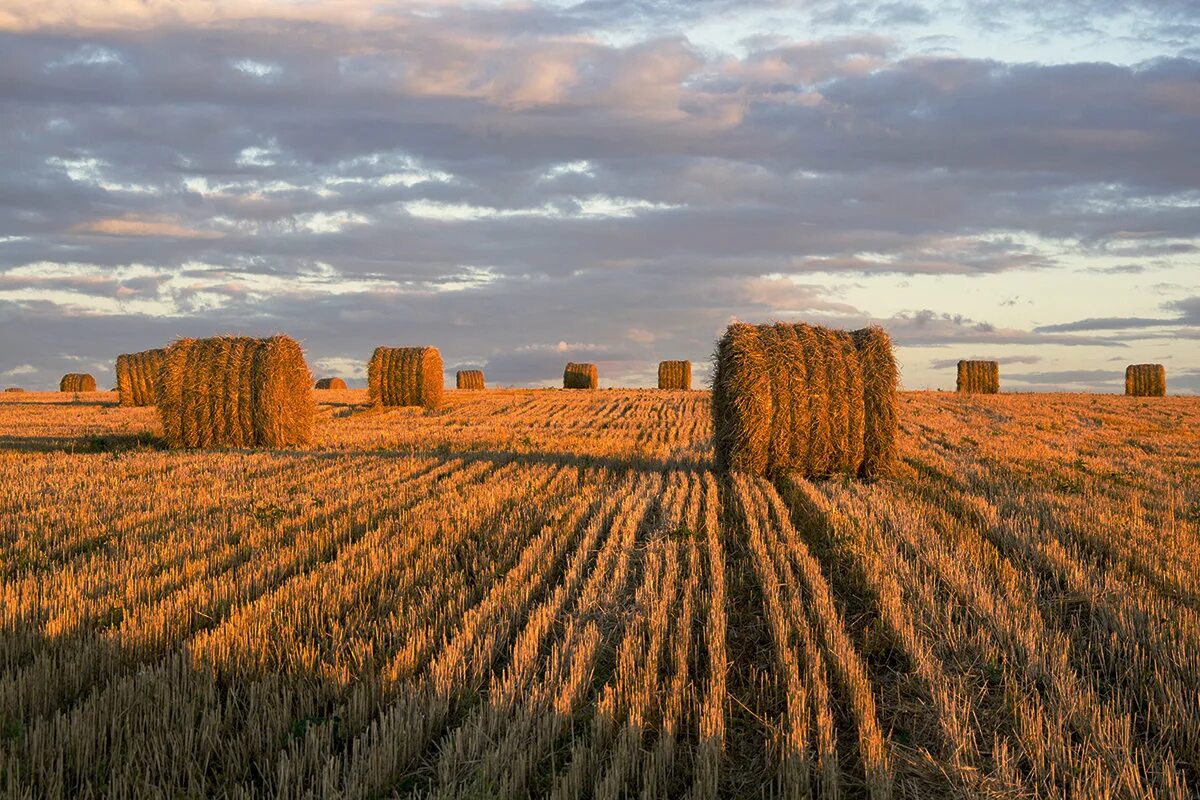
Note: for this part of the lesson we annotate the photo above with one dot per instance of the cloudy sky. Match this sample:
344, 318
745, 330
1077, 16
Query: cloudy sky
526, 183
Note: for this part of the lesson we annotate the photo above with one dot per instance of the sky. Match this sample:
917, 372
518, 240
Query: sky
523, 184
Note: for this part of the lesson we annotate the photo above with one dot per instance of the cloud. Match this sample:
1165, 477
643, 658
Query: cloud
951, 363
1189, 315
133, 226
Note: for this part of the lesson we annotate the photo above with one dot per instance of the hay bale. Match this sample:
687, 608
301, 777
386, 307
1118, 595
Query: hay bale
331, 384
806, 399
580, 376
405, 376
77, 382
979, 377
136, 377
675, 375
14, 389
471, 379
235, 391
1146, 380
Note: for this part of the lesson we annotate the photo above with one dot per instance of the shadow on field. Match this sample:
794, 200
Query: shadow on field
92, 443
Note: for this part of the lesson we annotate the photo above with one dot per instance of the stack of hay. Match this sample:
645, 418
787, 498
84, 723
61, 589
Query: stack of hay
234, 391
675, 375
405, 376
137, 374
469, 379
806, 399
580, 376
979, 377
1146, 380
331, 384
14, 389
77, 382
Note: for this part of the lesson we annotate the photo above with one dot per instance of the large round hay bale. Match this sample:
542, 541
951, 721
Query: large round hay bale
470, 379
405, 376
675, 375
137, 374
1146, 380
805, 399
77, 382
331, 384
235, 391
979, 377
580, 376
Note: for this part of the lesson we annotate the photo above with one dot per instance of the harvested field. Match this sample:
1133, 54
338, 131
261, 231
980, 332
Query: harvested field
544, 593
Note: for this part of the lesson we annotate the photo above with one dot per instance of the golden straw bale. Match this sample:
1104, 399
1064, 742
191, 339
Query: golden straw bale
1146, 380
331, 384
675, 375
580, 376
469, 379
77, 382
235, 391
804, 399
136, 377
405, 376
979, 377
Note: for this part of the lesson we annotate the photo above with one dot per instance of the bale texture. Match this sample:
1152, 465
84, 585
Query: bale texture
675, 375
235, 391
77, 382
331, 384
979, 377
805, 399
14, 389
137, 374
405, 376
1146, 380
580, 376
469, 379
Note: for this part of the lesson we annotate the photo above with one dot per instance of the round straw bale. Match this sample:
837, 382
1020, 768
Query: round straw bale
580, 376
1146, 380
77, 382
979, 377
235, 391
136, 377
14, 389
405, 376
331, 384
675, 375
469, 379
881, 379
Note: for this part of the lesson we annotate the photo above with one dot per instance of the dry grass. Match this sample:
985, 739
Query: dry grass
137, 377
235, 391
1146, 380
979, 377
470, 379
77, 382
580, 376
331, 385
552, 594
675, 375
405, 376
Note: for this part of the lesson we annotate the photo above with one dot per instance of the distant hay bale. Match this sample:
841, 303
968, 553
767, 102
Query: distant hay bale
806, 399
14, 389
77, 382
137, 374
331, 384
675, 375
1146, 380
580, 376
405, 376
469, 379
235, 391
979, 377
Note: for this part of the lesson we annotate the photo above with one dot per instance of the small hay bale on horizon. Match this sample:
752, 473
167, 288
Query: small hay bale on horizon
14, 389
77, 382
675, 375
405, 376
806, 399
470, 379
978, 377
236, 391
580, 376
331, 384
1146, 380
137, 376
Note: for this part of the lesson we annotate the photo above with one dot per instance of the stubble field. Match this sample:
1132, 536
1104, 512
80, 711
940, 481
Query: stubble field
549, 593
